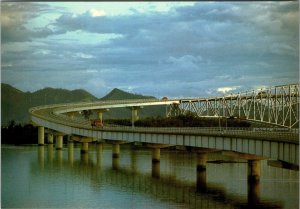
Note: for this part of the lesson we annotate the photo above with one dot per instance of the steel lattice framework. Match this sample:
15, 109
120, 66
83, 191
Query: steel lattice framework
278, 105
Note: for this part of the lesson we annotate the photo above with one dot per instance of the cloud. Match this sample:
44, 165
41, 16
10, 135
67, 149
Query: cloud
227, 89
195, 50
96, 13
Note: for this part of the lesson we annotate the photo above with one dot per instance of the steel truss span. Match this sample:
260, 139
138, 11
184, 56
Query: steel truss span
278, 105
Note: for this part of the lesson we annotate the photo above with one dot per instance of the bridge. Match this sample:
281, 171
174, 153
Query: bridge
278, 106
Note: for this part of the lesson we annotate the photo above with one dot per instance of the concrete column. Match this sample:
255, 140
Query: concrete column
50, 153
201, 172
134, 114
41, 132
116, 150
70, 152
253, 194
50, 138
59, 142
253, 170
84, 147
100, 114
156, 155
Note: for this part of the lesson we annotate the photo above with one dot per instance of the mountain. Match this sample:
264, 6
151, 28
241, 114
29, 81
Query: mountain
122, 113
15, 103
117, 94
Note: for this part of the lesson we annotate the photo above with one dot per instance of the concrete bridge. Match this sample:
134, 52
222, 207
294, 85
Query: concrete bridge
275, 105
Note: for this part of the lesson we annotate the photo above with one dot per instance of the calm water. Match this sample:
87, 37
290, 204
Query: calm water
39, 177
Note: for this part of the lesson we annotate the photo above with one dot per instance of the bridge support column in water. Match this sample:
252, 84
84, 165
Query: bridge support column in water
84, 147
155, 155
253, 194
59, 142
156, 158
50, 138
201, 171
253, 170
41, 135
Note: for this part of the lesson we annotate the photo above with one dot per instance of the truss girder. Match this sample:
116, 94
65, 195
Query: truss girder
277, 105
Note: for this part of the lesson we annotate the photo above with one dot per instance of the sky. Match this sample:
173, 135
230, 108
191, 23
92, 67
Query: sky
173, 49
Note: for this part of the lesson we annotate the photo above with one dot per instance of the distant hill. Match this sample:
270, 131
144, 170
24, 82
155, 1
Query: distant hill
117, 94
15, 103
122, 113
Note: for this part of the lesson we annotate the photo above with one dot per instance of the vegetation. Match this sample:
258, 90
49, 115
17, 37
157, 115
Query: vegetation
18, 134
15, 103
188, 120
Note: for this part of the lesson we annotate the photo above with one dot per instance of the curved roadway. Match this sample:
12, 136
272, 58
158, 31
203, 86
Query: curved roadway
54, 117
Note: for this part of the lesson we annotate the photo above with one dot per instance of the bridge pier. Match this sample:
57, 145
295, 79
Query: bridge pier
134, 114
116, 150
100, 114
50, 138
201, 171
253, 171
84, 147
253, 194
41, 135
155, 155
156, 158
59, 142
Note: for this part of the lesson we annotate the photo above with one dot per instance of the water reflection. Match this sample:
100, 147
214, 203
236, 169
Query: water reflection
50, 153
41, 156
99, 151
156, 169
84, 158
71, 152
197, 194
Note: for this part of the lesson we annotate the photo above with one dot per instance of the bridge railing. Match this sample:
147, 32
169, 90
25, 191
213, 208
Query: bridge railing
269, 134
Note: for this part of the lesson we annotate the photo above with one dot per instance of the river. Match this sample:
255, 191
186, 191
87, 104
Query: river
42, 177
